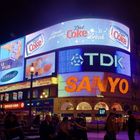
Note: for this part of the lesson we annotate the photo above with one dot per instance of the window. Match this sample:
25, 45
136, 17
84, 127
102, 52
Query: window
67, 106
15, 96
101, 105
117, 107
83, 106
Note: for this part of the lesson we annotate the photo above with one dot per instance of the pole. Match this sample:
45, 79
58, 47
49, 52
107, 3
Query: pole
30, 99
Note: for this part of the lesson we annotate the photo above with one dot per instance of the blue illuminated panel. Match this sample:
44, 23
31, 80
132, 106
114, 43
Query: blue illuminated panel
87, 59
12, 61
67, 60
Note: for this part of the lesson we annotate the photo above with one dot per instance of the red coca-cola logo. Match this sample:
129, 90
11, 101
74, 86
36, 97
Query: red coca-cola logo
35, 44
119, 35
78, 31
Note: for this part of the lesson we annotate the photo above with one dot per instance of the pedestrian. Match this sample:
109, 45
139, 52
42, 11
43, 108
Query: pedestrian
64, 130
131, 126
81, 129
12, 127
36, 121
110, 127
46, 130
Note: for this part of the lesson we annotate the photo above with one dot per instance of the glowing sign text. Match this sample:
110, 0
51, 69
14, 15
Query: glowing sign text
113, 60
73, 85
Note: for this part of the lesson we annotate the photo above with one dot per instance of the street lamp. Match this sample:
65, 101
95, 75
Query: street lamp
32, 70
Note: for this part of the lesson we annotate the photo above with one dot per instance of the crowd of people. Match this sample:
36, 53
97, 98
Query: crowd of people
53, 128
50, 128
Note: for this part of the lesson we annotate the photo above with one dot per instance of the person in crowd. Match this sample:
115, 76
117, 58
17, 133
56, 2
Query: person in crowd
110, 127
80, 129
131, 126
46, 130
64, 129
36, 121
12, 127
55, 123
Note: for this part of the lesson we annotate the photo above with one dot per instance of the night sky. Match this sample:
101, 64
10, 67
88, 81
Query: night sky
21, 17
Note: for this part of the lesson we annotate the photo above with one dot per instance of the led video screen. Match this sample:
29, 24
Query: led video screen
91, 84
78, 32
12, 61
97, 59
44, 65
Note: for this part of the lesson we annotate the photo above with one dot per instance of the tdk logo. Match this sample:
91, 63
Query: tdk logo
112, 60
77, 60
119, 35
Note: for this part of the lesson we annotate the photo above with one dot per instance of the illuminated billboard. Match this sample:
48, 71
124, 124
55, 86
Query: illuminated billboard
12, 61
96, 59
90, 84
78, 32
44, 65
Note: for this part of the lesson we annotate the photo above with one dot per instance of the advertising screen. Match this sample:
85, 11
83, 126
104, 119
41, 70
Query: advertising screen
78, 32
12, 61
44, 65
62, 78
91, 84
97, 59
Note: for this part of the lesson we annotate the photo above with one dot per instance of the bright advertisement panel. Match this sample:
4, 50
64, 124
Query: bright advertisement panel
78, 32
44, 65
62, 78
97, 59
12, 61
91, 84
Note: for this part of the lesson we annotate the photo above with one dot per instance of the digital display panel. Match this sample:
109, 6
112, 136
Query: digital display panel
78, 77
91, 84
97, 59
44, 65
12, 61
78, 32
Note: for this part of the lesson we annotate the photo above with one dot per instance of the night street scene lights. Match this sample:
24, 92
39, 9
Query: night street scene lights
44, 95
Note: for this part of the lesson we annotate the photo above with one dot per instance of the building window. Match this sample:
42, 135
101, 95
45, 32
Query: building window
101, 105
15, 96
83, 106
117, 107
67, 106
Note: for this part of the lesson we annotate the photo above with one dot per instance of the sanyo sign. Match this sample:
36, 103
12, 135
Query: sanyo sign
91, 84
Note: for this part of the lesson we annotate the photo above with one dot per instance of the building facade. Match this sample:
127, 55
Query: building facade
81, 66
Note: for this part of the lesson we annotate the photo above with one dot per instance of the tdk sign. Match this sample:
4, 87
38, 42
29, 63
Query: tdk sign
81, 60
105, 60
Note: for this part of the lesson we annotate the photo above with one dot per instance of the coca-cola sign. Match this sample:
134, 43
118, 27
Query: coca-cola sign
78, 32
119, 35
35, 44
